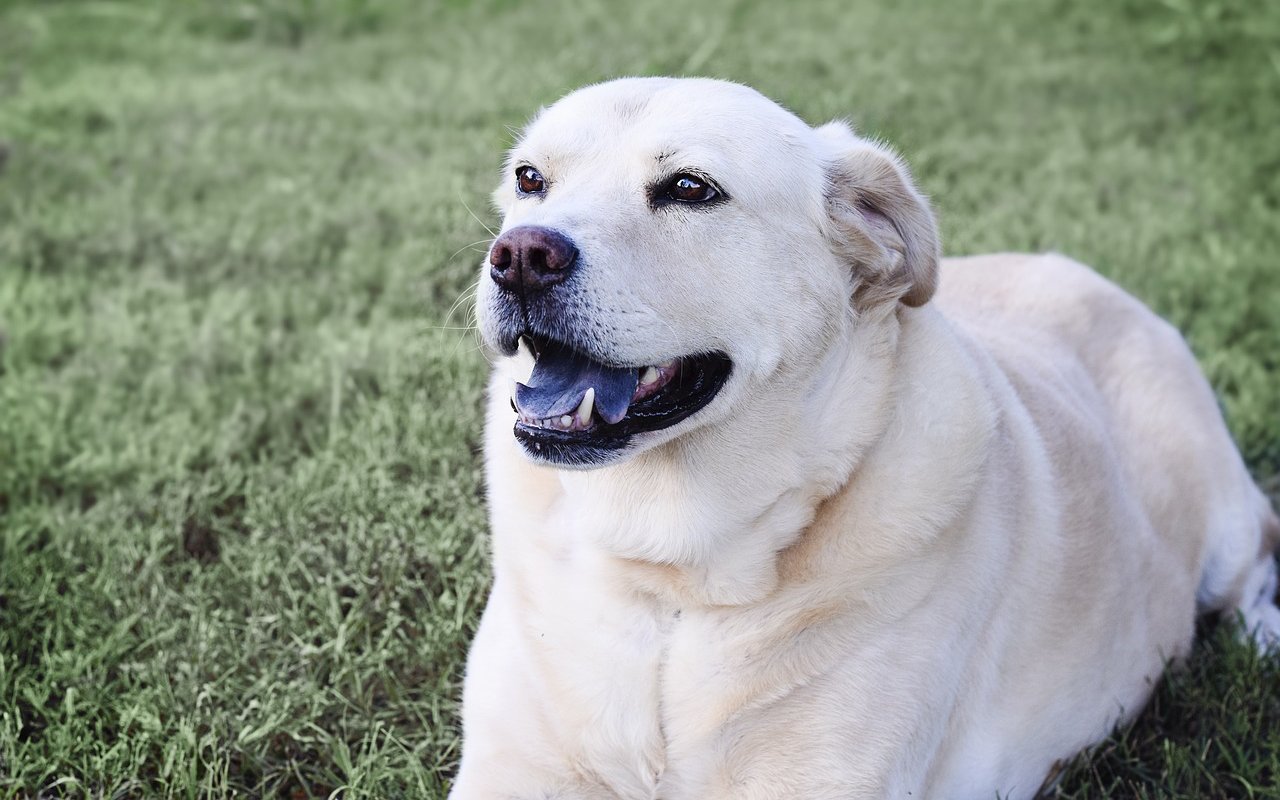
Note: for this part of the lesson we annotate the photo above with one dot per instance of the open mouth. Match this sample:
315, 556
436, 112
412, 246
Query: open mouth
577, 411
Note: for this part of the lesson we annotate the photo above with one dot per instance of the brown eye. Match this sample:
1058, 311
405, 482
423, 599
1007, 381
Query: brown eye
686, 188
530, 181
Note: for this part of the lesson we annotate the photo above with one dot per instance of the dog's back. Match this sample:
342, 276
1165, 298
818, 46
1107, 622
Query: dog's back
1162, 415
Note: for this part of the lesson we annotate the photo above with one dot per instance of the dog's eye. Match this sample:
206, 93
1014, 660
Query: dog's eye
530, 181
685, 188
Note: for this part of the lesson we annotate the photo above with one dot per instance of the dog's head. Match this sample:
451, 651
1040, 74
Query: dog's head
674, 249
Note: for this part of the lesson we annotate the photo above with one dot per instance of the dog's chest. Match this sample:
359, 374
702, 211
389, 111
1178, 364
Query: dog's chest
642, 692
640, 689
601, 666
599, 663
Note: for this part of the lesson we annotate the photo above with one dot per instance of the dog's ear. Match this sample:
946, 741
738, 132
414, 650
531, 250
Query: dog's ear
880, 223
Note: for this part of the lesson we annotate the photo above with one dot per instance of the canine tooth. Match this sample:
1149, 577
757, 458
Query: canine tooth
588, 403
668, 364
566, 421
524, 362
650, 375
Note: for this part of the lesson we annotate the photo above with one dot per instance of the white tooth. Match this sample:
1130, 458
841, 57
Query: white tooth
566, 421
650, 376
523, 362
668, 364
588, 403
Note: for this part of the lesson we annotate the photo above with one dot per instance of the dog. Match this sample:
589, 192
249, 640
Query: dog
784, 505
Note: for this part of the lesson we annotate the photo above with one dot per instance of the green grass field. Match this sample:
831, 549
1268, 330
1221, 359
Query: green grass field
242, 547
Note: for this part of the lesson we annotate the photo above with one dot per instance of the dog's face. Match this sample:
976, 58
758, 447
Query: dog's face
673, 249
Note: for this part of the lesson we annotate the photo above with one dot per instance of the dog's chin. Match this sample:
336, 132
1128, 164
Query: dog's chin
608, 428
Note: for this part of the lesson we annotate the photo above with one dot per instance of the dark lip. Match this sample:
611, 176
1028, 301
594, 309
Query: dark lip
700, 380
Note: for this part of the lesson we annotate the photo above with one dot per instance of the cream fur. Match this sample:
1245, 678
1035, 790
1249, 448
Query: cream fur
919, 546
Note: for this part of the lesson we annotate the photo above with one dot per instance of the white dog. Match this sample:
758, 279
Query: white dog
786, 508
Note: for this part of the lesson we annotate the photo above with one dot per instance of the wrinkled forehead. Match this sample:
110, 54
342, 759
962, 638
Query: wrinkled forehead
645, 126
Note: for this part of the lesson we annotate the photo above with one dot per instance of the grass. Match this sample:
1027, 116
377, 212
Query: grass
241, 537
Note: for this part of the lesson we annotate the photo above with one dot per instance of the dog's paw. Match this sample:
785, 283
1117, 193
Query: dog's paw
1259, 615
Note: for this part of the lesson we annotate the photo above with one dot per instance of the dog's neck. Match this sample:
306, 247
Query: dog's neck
704, 517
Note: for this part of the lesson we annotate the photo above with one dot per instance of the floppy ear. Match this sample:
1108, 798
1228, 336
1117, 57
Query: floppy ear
880, 223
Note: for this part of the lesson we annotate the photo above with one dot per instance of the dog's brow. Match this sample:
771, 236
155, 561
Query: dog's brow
695, 158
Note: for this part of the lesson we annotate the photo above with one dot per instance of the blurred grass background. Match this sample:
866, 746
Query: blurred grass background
241, 536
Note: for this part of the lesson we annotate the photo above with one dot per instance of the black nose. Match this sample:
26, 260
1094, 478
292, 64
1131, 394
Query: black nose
530, 258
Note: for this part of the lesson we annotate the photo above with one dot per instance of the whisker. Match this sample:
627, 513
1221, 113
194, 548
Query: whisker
477, 219
467, 247
467, 294
476, 345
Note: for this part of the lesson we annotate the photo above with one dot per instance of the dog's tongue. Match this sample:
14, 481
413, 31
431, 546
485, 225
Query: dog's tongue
561, 378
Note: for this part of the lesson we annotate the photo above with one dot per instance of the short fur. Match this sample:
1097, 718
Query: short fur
920, 545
